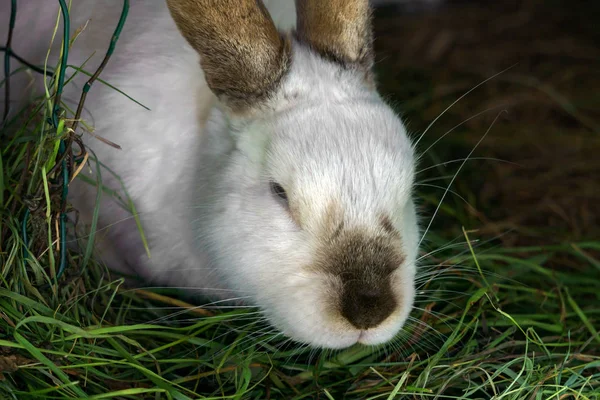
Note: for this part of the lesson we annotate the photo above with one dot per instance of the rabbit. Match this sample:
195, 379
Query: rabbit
268, 170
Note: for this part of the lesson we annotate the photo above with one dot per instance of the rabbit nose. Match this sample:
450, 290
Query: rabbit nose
366, 307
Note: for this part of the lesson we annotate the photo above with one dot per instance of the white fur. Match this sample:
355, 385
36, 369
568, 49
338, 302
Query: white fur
202, 191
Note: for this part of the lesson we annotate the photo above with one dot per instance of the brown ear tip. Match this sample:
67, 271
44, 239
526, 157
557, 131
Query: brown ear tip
337, 29
243, 55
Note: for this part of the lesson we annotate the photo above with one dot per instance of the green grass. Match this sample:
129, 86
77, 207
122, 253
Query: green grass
507, 307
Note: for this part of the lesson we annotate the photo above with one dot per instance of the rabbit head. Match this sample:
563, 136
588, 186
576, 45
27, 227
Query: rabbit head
308, 208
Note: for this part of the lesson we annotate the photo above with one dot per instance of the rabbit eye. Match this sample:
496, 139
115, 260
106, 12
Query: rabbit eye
278, 190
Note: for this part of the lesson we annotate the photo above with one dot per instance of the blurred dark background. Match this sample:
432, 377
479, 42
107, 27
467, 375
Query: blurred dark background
539, 183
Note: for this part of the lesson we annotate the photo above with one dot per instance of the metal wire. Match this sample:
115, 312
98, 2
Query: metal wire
63, 172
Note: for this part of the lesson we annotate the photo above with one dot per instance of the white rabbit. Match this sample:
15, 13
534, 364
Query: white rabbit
271, 171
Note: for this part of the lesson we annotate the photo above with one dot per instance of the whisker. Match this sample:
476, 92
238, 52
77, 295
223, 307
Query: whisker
441, 249
103, 228
459, 99
449, 191
456, 174
457, 126
183, 288
204, 306
445, 163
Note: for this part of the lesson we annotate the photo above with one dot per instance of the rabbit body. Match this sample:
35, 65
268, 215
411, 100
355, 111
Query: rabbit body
199, 171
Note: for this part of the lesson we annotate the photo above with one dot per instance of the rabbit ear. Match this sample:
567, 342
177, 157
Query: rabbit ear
241, 52
338, 29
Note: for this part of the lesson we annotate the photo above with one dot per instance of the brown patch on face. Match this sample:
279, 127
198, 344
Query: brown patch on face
338, 230
243, 55
333, 220
388, 226
364, 264
295, 214
338, 29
